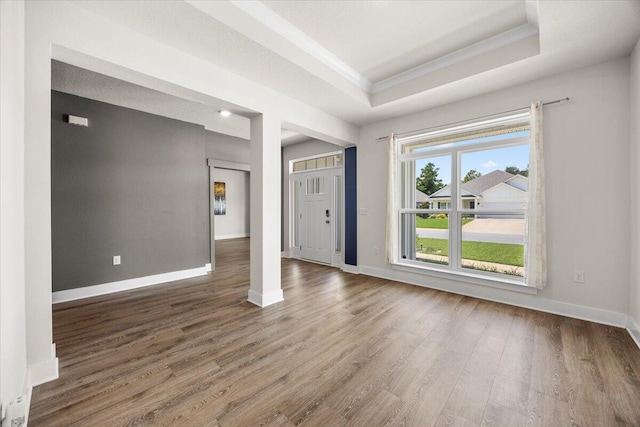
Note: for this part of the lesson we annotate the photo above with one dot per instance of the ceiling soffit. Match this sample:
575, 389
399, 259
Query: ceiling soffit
491, 43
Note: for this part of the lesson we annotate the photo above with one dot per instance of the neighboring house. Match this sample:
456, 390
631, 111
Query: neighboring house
498, 190
420, 198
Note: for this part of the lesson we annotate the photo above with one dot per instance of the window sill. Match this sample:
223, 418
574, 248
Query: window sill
475, 279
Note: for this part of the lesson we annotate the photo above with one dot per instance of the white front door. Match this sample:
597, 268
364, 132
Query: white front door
316, 216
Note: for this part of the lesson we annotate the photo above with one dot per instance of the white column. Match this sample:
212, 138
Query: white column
13, 341
41, 355
266, 287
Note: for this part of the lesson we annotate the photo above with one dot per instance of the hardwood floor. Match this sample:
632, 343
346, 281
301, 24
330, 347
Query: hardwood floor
340, 350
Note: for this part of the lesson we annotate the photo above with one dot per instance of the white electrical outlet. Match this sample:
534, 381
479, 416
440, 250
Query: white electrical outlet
376, 251
364, 211
116, 260
16, 412
578, 276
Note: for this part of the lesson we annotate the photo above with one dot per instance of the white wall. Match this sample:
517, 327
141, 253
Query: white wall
586, 153
13, 344
224, 147
301, 150
236, 221
634, 139
81, 38
70, 33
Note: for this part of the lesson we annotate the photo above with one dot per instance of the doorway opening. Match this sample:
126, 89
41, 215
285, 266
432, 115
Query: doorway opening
317, 205
229, 204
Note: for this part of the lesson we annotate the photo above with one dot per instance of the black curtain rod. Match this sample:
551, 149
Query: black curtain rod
477, 118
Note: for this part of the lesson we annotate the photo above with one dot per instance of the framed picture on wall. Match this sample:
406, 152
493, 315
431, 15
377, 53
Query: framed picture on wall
219, 198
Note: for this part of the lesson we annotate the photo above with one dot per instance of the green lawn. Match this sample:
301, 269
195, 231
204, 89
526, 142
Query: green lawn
441, 223
501, 253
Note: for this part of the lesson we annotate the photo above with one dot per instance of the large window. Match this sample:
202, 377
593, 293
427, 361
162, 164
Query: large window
473, 179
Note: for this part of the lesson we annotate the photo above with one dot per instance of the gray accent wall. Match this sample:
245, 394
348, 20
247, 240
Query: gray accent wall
224, 147
131, 184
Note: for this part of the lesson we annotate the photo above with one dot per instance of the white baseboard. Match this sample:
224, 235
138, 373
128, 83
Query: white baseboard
353, 269
29, 392
44, 371
207, 267
36, 374
591, 314
125, 285
634, 330
263, 300
232, 236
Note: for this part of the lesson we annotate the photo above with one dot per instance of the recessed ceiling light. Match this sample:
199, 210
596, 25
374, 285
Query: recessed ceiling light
225, 113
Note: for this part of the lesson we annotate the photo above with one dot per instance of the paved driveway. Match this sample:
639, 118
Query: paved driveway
495, 226
483, 230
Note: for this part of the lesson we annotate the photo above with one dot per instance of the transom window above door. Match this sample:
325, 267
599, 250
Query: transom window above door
318, 163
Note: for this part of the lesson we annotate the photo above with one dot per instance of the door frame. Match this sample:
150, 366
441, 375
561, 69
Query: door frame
337, 259
214, 164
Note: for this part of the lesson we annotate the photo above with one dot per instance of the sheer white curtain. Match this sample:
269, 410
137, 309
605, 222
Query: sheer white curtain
536, 242
392, 200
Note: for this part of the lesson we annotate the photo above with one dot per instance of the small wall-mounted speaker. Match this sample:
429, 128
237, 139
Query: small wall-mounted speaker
76, 120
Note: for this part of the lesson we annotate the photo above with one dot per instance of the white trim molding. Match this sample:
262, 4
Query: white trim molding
634, 330
36, 374
207, 267
44, 371
469, 277
232, 236
223, 164
517, 299
482, 47
276, 23
353, 269
28, 387
265, 26
125, 285
264, 300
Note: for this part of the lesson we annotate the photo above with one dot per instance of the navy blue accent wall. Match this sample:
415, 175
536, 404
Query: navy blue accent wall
350, 206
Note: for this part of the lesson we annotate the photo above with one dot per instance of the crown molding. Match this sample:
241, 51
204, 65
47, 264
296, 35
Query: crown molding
276, 23
492, 43
283, 37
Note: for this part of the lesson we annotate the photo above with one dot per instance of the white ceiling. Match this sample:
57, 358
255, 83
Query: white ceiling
393, 36
363, 61
88, 84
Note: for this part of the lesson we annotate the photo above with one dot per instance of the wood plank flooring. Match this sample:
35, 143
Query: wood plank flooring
340, 350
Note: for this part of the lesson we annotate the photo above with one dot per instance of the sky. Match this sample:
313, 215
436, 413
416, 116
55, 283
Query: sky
482, 161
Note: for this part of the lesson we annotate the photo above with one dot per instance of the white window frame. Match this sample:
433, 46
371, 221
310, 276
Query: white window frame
455, 212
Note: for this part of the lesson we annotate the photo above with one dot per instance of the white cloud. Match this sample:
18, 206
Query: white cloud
490, 165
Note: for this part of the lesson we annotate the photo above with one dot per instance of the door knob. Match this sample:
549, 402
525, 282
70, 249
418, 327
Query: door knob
327, 221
